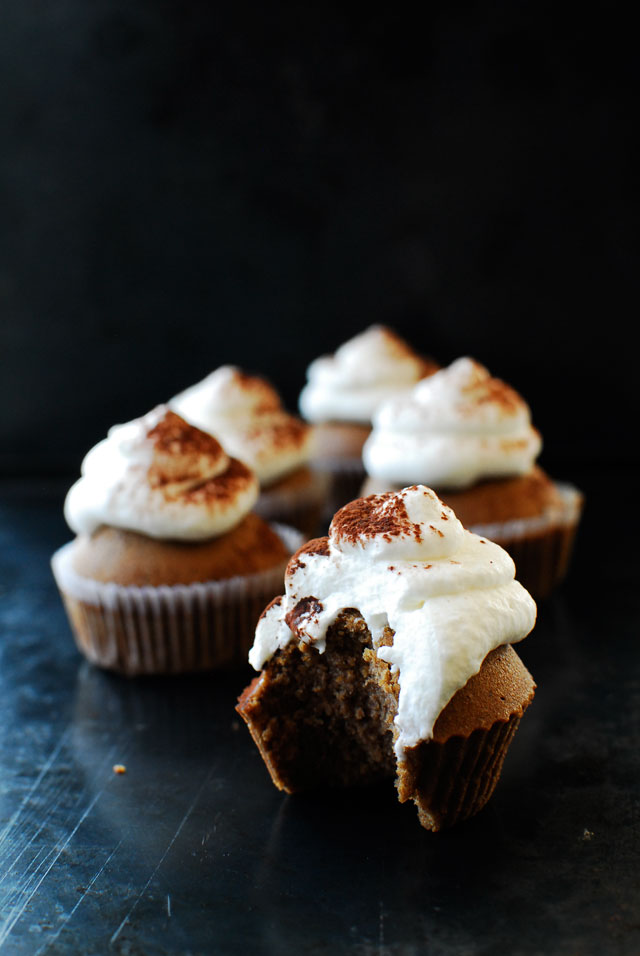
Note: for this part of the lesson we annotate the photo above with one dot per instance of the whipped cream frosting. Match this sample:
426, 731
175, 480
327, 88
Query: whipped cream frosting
349, 385
162, 477
404, 561
245, 414
451, 430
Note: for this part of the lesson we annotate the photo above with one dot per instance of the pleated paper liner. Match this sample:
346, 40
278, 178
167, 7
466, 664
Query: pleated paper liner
457, 778
452, 776
168, 629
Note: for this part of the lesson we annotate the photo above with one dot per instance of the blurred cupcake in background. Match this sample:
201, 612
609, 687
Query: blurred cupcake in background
343, 392
170, 569
245, 413
469, 436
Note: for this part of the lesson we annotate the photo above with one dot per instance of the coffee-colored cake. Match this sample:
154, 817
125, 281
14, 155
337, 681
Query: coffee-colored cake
389, 656
170, 569
132, 559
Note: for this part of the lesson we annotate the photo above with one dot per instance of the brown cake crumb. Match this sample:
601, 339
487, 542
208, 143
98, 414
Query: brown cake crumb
317, 719
327, 720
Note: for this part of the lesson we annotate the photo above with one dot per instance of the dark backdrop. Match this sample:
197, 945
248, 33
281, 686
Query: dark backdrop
186, 183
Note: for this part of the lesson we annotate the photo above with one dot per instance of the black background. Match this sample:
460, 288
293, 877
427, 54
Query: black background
184, 184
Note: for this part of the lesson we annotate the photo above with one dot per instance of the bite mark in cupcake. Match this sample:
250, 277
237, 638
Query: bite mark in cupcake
428, 623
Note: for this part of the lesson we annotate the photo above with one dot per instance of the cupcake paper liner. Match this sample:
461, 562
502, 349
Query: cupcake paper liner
169, 629
453, 780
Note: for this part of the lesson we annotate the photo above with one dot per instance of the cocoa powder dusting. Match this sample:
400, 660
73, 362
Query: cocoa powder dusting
223, 487
495, 391
275, 602
396, 346
174, 436
317, 546
314, 546
268, 399
384, 515
513, 444
502, 394
181, 454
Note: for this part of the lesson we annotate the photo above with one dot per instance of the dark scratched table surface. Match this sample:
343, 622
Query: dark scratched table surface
193, 851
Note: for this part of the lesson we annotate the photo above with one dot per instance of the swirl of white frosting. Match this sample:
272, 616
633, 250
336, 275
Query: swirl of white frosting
405, 562
451, 430
365, 371
245, 414
162, 477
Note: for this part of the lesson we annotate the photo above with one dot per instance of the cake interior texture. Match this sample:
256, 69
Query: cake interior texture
327, 720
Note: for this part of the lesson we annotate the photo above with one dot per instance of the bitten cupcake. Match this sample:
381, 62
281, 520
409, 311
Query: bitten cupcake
389, 654
170, 568
245, 413
341, 395
469, 437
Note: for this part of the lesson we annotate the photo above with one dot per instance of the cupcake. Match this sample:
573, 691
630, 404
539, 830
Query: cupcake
469, 436
245, 413
170, 568
341, 395
390, 655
